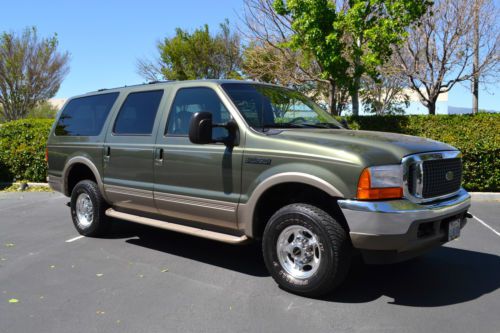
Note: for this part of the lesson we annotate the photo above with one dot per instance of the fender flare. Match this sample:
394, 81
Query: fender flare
88, 163
246, 211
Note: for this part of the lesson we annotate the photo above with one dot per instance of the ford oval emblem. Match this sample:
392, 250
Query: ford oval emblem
449, 175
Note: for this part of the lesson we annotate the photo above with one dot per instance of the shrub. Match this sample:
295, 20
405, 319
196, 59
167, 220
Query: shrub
477, 136
22, 149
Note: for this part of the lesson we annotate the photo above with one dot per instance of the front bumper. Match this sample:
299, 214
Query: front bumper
396, 230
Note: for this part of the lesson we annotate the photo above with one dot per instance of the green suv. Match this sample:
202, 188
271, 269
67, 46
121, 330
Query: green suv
237, 161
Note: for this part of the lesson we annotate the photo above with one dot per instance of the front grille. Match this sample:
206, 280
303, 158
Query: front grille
441, 177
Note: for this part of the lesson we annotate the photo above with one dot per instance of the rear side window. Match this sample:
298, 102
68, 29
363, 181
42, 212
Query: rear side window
138, 112
85, 116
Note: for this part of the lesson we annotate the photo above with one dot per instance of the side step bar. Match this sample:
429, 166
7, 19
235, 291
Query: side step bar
221, 237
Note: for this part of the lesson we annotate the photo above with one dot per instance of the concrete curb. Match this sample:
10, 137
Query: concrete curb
485, 195
29, 184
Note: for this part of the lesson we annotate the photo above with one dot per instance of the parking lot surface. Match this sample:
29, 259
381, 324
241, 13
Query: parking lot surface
141, 279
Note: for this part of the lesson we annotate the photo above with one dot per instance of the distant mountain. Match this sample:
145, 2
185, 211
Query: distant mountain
459, 110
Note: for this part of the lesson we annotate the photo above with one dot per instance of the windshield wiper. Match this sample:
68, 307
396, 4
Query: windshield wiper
322, 125
283, 125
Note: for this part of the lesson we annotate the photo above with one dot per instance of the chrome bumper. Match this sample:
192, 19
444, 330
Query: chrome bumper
393, 224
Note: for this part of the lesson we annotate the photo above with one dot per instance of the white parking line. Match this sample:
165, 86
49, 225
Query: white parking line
486, 225
74, 239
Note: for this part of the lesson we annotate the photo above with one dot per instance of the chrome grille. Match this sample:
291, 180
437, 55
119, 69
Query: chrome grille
431, 176
441, 177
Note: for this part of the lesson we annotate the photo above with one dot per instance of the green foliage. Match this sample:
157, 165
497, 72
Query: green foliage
22, 149
43, 110
352, 39
477, 136
31, 71
199, 55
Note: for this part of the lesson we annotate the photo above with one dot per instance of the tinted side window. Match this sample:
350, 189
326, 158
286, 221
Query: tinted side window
138, 112
191, 100
85, 116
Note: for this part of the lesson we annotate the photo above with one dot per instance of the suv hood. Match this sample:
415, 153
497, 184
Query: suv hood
374, 146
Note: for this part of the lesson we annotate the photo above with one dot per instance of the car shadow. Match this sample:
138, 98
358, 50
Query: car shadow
442, 277
246, 259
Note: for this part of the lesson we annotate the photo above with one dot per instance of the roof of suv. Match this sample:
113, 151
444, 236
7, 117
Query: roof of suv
186, 83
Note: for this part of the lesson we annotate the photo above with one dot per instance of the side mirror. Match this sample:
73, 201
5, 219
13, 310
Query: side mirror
200, 128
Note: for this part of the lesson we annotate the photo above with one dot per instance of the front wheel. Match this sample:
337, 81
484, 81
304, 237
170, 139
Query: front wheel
306, 250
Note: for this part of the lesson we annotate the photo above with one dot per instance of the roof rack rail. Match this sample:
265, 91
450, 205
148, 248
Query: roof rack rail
102, 89
159, 81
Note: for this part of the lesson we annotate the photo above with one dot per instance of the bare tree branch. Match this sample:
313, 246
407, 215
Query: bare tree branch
439, 51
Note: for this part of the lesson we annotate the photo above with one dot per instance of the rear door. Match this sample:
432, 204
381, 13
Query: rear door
128, 151
194, 182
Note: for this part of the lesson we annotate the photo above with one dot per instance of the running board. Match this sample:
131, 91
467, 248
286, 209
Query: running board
221, 237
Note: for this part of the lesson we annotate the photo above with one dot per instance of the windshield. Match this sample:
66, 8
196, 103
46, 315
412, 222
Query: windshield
266, 107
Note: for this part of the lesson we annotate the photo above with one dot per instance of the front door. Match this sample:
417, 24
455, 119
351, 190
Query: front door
195, 182
128, 152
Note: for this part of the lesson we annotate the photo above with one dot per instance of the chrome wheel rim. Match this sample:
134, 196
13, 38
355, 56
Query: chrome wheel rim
84, 210
298, 251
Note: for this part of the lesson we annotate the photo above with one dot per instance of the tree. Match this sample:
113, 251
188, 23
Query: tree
269, 58
386, 94
43, 110
439, 51
31, 71
197, 55
485, 37
351, 38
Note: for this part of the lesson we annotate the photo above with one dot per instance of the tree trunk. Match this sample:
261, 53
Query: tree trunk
431, 106
355, 102
475, 65
355, 96
332, 98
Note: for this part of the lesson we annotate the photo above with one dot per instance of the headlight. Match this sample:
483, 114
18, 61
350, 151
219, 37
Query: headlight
381, 182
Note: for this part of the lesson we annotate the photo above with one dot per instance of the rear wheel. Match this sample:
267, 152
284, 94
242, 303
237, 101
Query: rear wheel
88, 209
306, 250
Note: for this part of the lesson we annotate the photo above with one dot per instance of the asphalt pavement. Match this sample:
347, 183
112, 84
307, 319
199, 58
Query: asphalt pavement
142, 279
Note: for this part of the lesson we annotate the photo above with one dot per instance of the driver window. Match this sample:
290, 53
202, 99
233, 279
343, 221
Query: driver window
187, 102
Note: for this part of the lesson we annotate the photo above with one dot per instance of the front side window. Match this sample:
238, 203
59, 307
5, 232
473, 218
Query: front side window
85, 116
265, 106
187, 102
138, 112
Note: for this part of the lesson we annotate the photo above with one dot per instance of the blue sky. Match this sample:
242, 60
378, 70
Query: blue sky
105, 38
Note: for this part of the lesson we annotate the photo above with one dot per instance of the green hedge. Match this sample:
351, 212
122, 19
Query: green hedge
22, 149
477, 136
22, 144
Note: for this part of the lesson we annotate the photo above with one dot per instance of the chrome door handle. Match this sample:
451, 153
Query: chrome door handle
159, 156
107, 154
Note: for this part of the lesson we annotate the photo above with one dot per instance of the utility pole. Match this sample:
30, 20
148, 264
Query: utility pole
475, 65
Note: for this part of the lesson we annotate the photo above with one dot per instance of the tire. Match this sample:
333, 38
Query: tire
88, 209
306, 250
